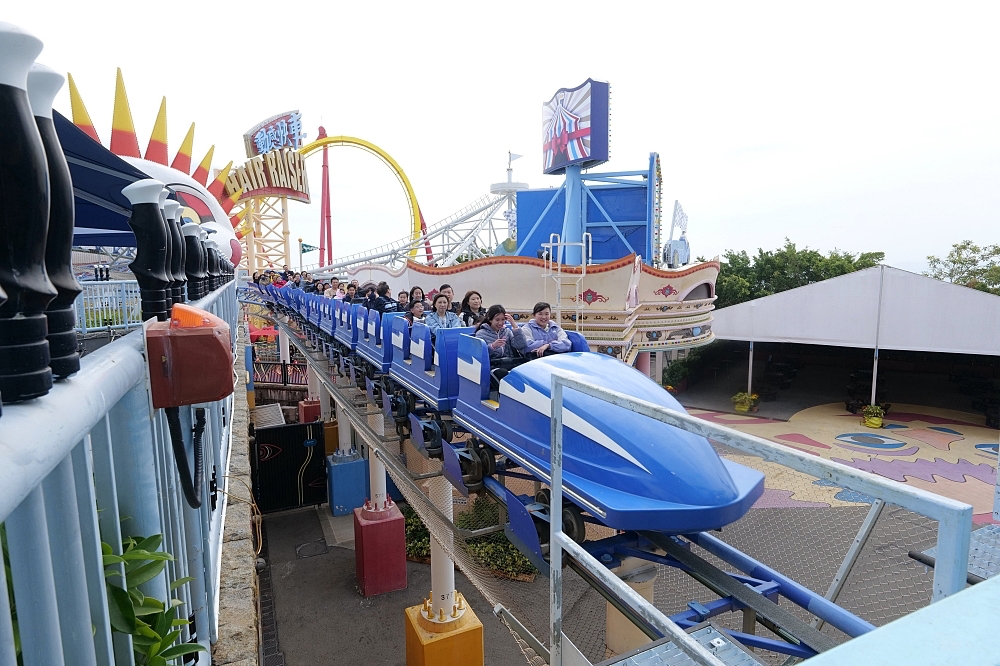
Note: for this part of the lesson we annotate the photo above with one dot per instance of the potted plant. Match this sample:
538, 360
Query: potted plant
743, 401
872, 416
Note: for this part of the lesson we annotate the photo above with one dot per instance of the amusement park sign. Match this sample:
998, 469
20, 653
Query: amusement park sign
275, 168
280, 131
575, 127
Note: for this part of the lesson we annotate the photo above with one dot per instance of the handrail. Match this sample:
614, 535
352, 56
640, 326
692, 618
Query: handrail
85, 464
954, 517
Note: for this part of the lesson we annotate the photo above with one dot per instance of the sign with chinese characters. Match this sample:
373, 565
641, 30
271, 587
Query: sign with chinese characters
575, 127
276, 173
281, 131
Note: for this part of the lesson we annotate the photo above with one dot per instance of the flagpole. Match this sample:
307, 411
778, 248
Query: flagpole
300, 255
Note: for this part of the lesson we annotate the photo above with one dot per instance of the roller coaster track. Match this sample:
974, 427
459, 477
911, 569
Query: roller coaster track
469, 233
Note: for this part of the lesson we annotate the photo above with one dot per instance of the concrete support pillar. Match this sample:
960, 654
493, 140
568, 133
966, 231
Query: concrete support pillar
443, 630
621, 635
312, 384
642, 363
325, 410
283, 352
442, 566
345, 436
376, 482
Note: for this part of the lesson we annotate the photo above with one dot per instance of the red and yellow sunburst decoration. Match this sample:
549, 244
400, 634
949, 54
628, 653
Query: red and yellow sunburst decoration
205, 203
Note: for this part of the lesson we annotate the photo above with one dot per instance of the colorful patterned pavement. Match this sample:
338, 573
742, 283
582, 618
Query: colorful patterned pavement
944, 451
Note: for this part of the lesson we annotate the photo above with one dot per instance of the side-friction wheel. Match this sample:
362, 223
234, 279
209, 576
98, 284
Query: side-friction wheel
573, 523
489, 461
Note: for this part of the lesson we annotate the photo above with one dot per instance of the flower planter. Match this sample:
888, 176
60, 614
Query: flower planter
872, 421
740, 407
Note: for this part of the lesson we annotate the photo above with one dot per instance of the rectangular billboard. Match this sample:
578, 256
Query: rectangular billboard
281, 131
575, 127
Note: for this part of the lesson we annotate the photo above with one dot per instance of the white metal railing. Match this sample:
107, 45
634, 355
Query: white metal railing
113, 304
954, 518
91, 462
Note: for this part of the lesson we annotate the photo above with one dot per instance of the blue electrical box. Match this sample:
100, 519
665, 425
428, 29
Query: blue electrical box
346, 482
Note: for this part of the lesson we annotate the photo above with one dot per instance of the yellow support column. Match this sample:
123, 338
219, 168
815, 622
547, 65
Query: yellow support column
454, 639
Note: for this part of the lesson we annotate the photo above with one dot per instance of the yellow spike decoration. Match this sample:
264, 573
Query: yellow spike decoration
156, 151
182, 160
123, 139
80, 116
201, 173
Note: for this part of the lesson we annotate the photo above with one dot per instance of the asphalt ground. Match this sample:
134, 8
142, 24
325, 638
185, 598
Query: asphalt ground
318, 610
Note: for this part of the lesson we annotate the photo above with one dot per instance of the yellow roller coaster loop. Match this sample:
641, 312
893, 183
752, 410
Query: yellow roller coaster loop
415, 226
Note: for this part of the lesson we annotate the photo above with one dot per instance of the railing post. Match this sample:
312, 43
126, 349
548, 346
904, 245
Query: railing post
950, 572
7, 654
86, 502
62, 518
555, 528
34, 585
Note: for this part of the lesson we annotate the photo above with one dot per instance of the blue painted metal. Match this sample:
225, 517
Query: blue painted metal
431, 371
815, 603
574, 221
521, 531
616, 465
346, 482
452, 469
374, 348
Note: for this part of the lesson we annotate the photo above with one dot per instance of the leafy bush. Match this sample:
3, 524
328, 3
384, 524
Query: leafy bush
153, 624
493, 551
418, 538
872, 411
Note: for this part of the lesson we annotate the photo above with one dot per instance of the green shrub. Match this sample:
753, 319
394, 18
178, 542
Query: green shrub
418, 539
493, 551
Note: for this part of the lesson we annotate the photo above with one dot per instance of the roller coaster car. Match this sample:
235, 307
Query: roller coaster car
427, 369
346, 332
372, 345
628, 471
327, 320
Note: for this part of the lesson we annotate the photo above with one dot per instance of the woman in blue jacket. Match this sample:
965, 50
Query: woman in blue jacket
441, 316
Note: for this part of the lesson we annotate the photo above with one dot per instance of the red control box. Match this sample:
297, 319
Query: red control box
190, 358
380, 550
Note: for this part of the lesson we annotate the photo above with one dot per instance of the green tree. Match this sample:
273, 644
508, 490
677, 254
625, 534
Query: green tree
745, 278
969, 265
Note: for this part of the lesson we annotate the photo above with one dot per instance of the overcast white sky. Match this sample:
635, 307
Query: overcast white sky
867, 126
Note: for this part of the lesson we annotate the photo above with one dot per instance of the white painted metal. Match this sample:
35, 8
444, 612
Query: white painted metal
442, 566
376, 481
558, 541
60, 496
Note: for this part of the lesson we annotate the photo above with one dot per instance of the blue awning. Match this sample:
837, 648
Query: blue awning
99, 176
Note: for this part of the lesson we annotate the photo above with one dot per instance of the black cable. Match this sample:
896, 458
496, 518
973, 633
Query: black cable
191, 486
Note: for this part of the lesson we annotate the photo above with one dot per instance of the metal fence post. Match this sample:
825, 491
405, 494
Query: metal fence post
34, 585
7, 654
555, 528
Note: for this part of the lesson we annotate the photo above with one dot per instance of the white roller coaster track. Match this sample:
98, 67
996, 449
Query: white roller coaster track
470, 233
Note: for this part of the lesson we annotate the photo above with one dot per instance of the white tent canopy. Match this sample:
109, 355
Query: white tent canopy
877, 308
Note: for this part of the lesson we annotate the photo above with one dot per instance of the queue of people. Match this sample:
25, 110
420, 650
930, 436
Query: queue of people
508, 342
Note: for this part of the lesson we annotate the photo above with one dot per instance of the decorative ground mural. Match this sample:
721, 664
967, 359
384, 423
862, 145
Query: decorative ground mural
944, 451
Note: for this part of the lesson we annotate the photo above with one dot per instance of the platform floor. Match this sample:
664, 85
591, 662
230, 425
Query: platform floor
314, 614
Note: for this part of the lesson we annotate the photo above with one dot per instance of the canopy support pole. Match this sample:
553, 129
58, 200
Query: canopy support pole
750, 371
878, 325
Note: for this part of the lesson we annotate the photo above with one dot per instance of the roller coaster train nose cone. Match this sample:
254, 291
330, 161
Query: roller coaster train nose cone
194, 261
176, 242
150, 264
43, 85
24, 223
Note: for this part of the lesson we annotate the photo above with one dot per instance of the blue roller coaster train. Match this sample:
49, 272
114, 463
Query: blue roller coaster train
660, 488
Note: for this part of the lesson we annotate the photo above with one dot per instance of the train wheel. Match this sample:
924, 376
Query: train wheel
447, 432
573, 524
544, 496
488, 460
